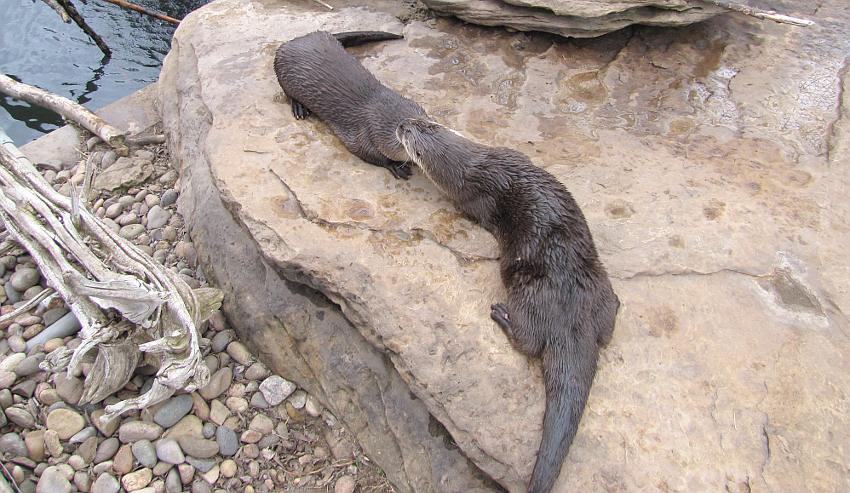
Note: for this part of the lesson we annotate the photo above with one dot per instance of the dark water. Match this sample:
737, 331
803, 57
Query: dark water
36, 47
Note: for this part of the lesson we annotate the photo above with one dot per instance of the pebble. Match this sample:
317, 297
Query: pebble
187, 472
157, 217
131, 231
106, 450
256, 371
83, 435
168, 197
218, 412
172, 482
228, 442
76, 462
12, 361
221, 340
29, 365
24, 278
258, 401
262, 424
20, 417
144, 452
151, 200
34, 442
138, 430
188, 426
53, 481
228, 468
209, 430
200, 408
65, 326
201, 487
82, 481
239, 352
114, 210
25, 389
88, 449
169, 177
161, 468
17, 343
313, 407
51, 316
122, 463
298, 399
275, 389
250, 436
202, 465
168, 450
105, 483
211, 476
32, 292
106, 426
173, 410
12, 444
218, 383
52, 443
237, 404
137, 480
344, 484
7, 378
200, 448
65, 422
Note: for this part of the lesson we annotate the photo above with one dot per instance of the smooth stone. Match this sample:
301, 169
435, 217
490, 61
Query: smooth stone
24, 278
168, 197
173, 410
298, 399
69, 388
218, 412
201, 486
221, 340
239, 352
106, 426
237, 404
137, 480
64, 327
275, 389
202, 465
262, 424
345, 484
50, 316
106, 450
209, 430
131, 231
29, 365
218, 383
212, 475
144, 452
83, 435
187, 472
34, 442
17, 343
169, 451
13, 445
53, 481
200, 448
122, 463
250, 436
105, 483
12, 294
172, 482
12, 361
20, 417
76, 462
157, 217
228, 442
256, 371
65, 423
313, 407
88, 449
82, 481
114, 210
258, 401
139, 430
25, 389
188, 426
7, 378
200, 408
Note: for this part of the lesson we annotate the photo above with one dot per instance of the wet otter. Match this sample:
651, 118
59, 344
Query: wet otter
560, 303
320, 77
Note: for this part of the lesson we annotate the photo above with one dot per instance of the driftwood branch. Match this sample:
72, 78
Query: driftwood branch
53, 4
760, 13
78, 19
129, 306
68, 109
142, 10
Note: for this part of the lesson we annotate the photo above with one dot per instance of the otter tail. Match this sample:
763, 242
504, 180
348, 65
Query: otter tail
354, 38
568, 375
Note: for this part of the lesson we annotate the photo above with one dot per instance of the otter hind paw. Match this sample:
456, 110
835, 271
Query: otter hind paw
299, 111
400, 170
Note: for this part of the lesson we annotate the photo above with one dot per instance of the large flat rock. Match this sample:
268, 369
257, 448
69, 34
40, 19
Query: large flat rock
711, 163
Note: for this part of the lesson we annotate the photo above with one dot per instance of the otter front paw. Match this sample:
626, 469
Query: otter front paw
299, 111
499, 314
400, 170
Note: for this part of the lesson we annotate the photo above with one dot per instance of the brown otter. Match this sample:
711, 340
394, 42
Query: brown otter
560, 303
320, 77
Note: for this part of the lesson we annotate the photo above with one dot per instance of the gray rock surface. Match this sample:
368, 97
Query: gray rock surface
711, 163
575, 18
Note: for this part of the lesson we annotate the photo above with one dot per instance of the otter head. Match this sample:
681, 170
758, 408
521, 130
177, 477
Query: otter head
430, 145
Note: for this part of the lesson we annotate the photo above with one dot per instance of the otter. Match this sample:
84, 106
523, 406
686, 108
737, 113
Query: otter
560, 303
320, 77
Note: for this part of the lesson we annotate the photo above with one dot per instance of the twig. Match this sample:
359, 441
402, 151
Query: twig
11, 479
142, 10
68, 109
78, 19
59, 10
26, 306
323, 4
760, 13
143, 140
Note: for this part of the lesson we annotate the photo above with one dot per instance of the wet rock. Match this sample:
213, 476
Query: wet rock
173, 410
65, 423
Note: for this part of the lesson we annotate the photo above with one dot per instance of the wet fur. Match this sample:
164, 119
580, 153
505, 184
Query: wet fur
560, 303
320, 77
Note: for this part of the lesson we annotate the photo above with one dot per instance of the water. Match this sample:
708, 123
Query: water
37, 48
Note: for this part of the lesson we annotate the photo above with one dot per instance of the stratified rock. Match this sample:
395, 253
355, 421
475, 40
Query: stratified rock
575, 18
125, 173
709, 162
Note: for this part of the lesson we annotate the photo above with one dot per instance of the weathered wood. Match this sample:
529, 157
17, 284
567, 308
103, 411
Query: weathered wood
53, 4
760, 13
159, 313
78, 19
68, 109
